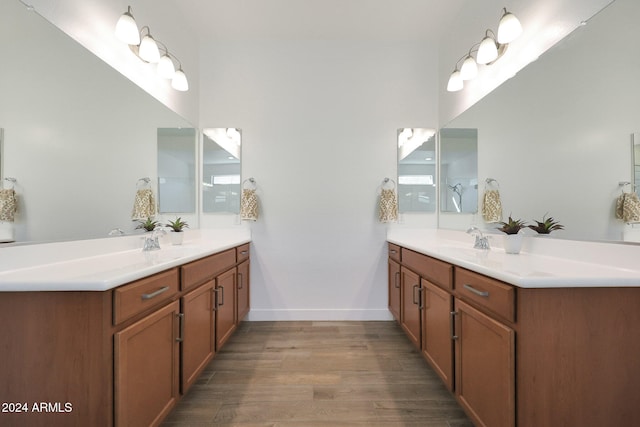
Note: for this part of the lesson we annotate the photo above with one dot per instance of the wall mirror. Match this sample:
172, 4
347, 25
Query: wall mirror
635, 163
176, 170
77, 134
459, 170
221, 170
416, 170
556, 136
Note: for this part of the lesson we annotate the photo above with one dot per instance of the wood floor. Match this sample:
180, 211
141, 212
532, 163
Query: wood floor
307, 374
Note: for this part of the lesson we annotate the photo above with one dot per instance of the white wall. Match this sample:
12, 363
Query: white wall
557, 137
319, 123
78, 135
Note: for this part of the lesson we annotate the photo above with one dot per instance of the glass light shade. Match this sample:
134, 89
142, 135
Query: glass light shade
509, 28
469, 69
455, 82
166, 69
148, 49
179, 81
127, 29
488, 51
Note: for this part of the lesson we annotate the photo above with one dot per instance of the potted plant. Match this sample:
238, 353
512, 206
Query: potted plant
178, 226
547, 225
148, 224
513, 238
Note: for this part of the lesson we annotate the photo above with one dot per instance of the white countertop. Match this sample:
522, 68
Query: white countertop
105, 263
543, 263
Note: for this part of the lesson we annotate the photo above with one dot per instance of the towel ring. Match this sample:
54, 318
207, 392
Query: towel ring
251, 181
145, 181
12, 182
386, 181
623, 184
490, 181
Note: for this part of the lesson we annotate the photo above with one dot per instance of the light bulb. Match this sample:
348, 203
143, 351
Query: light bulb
469, 69
509, 28
455, 82
166, 68
488, 51
179, 81
148, 49
127, 29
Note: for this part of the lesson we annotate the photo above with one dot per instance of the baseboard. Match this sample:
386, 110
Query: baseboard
259, 315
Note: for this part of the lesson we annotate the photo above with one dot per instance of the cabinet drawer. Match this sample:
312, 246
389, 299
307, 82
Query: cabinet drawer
242, 252
394, 252
204, 269
136, 297
437, 272
492, 294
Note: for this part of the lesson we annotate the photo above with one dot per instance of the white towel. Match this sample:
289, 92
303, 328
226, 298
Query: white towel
492, 206
388, 209
144, 205
8, 204
249, 205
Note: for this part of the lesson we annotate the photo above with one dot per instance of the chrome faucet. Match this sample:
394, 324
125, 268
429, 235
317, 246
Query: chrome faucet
482, 242
151, 242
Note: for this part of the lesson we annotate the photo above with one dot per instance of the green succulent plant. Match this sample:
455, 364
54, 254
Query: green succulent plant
178, 224
512, 226
148, 224
547, 225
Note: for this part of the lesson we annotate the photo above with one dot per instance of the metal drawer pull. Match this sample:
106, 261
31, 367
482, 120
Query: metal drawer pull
240, 280
475, 291
393, 252
215, 299
453, 326
222, 291
180, 337
244, 252
397, 276
156, 293
414, 294
420, 305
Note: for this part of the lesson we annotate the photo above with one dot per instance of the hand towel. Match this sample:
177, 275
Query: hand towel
628, 208
249, 205
144, 205
388, 209
491, 206
8, 205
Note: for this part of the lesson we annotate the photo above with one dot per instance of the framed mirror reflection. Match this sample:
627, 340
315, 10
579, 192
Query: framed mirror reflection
416, 170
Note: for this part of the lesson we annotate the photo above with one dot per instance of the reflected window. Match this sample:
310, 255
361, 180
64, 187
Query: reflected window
221, 170
416, 170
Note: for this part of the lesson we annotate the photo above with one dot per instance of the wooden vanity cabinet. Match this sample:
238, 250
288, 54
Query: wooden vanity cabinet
394, 289
244, 294
437, 346
411, 305
225, 306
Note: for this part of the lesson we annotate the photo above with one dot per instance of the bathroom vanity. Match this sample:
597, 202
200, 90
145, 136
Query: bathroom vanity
526, 340
117, 338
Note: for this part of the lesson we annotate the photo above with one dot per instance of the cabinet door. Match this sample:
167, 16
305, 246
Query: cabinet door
225, 306
485, 367
437, 345
146, 368
394, 289
410, 307
198, 345
243, 290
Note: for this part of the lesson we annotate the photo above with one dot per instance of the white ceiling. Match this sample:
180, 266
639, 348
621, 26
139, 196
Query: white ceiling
354, 20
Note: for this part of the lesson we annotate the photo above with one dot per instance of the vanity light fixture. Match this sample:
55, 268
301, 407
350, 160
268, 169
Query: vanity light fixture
145, 47
489, 50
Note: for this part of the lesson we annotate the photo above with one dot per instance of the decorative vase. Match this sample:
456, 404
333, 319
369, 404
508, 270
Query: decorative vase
177, 237
512, 243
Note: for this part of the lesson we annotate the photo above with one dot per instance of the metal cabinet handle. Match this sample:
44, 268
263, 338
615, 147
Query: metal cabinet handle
240, 280
244, 252
475, 291
397, 282
393, 252
221, 288
155, 293
420, 304
414, 294
180, 317
215, 298
453, 326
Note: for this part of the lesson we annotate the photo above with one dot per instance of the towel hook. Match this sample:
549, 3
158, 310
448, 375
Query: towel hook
387, 180
491, 181
145, 181
623, 184
11, 180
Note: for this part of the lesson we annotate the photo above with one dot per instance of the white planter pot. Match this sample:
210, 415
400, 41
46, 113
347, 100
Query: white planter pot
177, 237
512, 243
